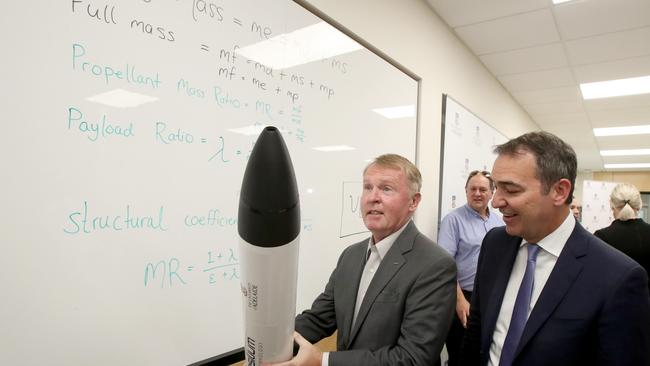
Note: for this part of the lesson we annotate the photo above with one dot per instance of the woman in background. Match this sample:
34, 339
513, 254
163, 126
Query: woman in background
629, 234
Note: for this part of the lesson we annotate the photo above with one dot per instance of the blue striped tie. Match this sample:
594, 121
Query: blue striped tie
520, 311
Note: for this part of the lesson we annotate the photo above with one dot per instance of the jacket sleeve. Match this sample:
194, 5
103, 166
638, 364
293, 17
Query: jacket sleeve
319, 321
623, 329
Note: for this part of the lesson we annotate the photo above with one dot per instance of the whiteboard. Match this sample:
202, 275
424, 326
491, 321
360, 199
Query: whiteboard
467, 145
127, 127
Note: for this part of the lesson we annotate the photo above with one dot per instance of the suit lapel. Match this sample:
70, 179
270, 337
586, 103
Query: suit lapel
351, 291
566, 270
389, 266
497, 292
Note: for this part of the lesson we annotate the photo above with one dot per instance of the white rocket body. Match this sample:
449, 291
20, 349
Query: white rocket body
269, 231
268, 279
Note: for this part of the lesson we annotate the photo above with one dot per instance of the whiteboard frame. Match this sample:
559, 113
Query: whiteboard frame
69, 175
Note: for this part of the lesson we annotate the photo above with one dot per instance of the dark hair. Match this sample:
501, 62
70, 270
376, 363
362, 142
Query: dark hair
554, 158
484, 173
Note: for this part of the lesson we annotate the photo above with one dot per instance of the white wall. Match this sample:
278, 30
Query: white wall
409, 32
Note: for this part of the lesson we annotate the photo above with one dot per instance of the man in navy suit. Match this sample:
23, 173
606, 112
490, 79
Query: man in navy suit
547, 292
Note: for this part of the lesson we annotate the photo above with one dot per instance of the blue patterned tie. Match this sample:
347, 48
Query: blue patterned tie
520, 311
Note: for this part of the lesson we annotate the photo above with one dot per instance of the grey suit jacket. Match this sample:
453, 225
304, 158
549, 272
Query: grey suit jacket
405, 314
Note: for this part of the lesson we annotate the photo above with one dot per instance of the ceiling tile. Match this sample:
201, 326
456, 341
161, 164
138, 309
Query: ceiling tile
580, 19
510, 33
589, 161
538, 80
565, 120
619, 69
620, 117
550, 56
609, 47
538, 110
565, 94
464, 12
623, 142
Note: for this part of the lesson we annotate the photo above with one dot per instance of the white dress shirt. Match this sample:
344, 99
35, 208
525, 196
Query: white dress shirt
551, 246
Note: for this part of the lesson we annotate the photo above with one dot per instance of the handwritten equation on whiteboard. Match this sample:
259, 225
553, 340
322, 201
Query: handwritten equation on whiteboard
220, 265
146, 111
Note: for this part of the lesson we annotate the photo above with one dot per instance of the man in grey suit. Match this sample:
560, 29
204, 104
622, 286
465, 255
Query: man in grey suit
392, 296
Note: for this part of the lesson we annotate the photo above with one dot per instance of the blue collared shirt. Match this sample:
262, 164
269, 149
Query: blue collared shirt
461, 234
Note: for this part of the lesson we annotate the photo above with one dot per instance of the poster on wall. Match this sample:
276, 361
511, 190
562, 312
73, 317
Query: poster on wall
596, 212
467, 144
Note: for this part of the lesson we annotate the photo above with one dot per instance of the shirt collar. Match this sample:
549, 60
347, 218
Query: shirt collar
555, 241
386, 243
473, 212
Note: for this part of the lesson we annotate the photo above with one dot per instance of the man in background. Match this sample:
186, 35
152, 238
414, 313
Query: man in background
547, 292
575, 208
461, 234
391, 296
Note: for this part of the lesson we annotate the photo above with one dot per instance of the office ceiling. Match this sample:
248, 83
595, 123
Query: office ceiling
540, 52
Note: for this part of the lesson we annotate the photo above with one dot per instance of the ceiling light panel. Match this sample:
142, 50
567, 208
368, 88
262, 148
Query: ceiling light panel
628, 152
616, 88
622, 131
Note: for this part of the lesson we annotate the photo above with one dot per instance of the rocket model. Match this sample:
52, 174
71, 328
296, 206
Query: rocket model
269, 225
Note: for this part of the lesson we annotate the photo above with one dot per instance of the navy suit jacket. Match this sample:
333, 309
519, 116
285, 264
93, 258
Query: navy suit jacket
593, 310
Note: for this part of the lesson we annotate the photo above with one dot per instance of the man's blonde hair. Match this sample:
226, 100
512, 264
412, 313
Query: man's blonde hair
394, 161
